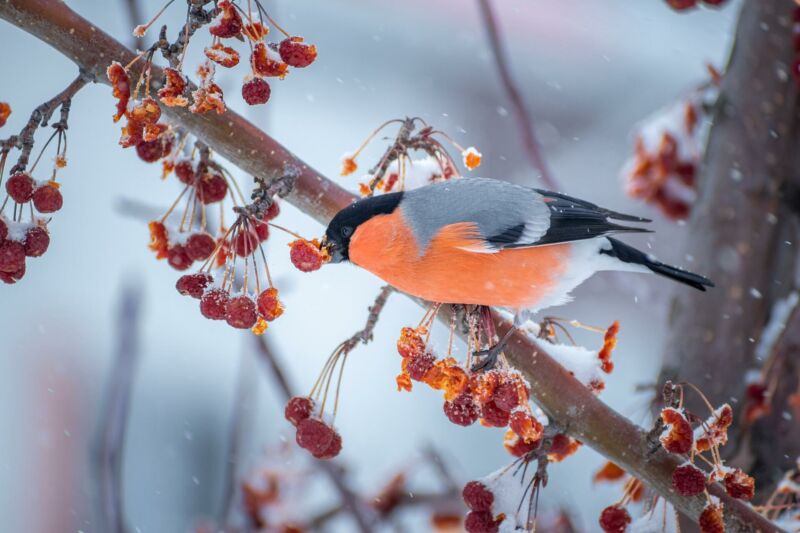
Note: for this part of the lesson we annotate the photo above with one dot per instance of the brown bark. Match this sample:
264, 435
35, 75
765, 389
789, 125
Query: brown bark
743, 234
552, 387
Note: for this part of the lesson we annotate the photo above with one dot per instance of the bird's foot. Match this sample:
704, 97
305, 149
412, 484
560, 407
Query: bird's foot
490, 356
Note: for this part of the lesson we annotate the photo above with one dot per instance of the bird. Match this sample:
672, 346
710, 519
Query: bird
488, 242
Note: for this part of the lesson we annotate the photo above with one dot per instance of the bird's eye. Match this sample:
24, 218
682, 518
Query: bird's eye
347, 231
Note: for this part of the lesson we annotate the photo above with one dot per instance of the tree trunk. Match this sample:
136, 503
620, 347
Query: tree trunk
743, 234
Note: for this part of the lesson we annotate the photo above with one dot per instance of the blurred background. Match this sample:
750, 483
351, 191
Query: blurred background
589, 71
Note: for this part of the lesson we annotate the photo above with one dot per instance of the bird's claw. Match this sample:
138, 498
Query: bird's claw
489, 360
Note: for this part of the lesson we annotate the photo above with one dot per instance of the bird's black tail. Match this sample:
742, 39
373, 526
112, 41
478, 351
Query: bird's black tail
629, 254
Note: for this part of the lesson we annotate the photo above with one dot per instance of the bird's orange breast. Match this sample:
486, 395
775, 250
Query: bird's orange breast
446, 272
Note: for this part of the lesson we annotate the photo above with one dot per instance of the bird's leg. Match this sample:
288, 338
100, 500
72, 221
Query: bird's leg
492, 353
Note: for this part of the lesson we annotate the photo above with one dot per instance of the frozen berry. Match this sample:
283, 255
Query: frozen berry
518, 447
688, 480
680, 5
419, 365
506, 397
314, 435
150, 151
230, 24
37, 240
12, 256
213, 303
481, 522
200, 246
739, 485
184, 170
47, 198
178, 258
295, 53
212, 188
712, 519
614, 519
256, 91
12, 277
306, 255
477, 496
273, 211
298, 409
246, 241
269, 306
20, 187
262, 230
3, 229
493, 416
240, 312
193, 284
333, 449
462, 410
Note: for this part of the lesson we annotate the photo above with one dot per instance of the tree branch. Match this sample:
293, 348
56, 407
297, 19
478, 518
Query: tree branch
552, 387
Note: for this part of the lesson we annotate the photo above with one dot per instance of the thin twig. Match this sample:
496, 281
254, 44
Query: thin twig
110, 443
135, 18
523, 116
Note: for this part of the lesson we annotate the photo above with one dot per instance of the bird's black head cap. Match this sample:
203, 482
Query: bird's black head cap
347, 221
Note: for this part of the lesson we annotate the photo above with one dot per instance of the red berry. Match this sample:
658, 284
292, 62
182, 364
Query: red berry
37, 240
213, 303
246, 241
3, 229
714, 2
262, 230
680, 5
314, 435
12, 256
184, 170
419, 365
298, 409
20, 187
305, 255
614, 519
295, 53
493, 416
506, 396
193, 284
47, 199
12, 277
273, 211
256, 91
739, 485
240, 312
481, 522
462, 410
477, 496
269, 306
712, 519
212, 188
200, 246
178, 258
333, 449
230, 24
152, 151
688, 480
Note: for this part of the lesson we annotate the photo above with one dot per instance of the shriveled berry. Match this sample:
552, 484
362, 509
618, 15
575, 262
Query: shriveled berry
3, 229
419, 365
525, 426
462, 410
712, 519
245, 242
240, 312
152, 151
333, 449
184, 170
295, 53
256, 91
194, 284
517, 446
269, 306
614, 519
678, 435
305, 255
212, 188
688, 480
230, 24
493, 416
477, 496
200, 246
411, 343
739, 485
298, 409
213, 304
12, 277
481, 522
506, 396
47, 199
37, 240
314, 435
178, 258
12, 256
20, 187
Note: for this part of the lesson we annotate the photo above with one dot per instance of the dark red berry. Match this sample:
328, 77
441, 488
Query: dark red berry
200, 246
20, 187
493, 416
419, 365
273, 211
184, 170
298, 409
688, 480
305, 255
178, 258
3, 229
213, 304
256, 91
506, 396
240, 312
462, 410
193, 284
295, 53
212, 188
12, 277
152, 151
614, 519
680, 5
12, 256
37, 240
481, 522
314, 435
269, 306
333, 449
47, 199
477, 496
245, 242
262, 230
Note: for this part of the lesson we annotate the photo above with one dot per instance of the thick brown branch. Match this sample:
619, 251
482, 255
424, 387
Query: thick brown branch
552, 387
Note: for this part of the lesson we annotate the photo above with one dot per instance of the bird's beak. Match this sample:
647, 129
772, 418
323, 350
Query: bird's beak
333, 251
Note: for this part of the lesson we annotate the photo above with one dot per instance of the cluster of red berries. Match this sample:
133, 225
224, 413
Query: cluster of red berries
17, 241
682, 5
480, 519
313, 434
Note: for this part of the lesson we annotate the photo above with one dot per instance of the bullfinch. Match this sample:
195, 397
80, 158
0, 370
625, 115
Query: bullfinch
489, 242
